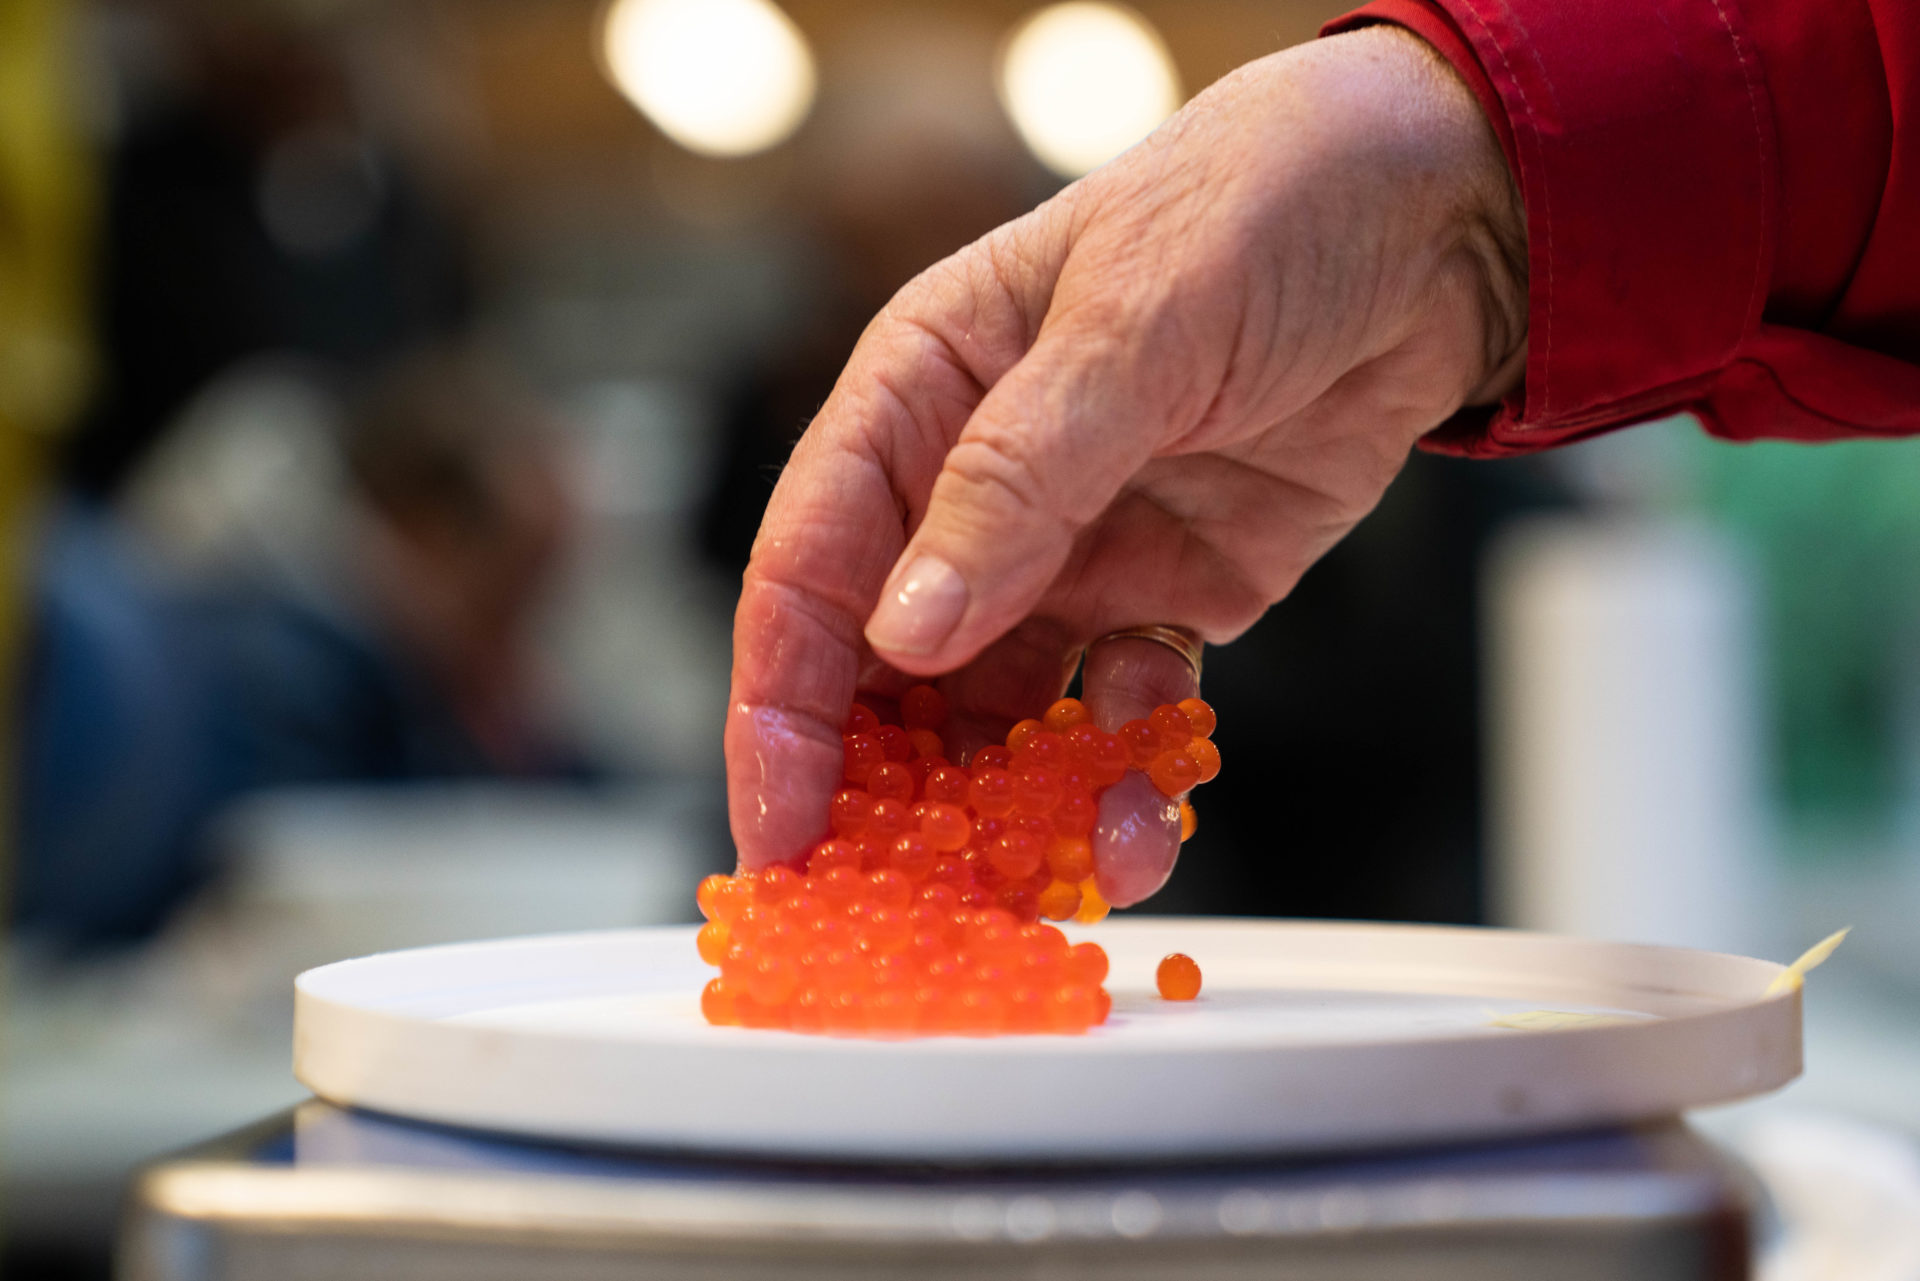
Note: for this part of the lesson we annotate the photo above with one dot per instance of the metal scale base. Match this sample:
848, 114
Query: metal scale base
327, 1194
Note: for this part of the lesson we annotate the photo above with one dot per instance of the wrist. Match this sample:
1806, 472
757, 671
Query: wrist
1481, 235
1418, 196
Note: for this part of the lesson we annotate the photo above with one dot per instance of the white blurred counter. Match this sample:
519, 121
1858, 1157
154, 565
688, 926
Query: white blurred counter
112, 1063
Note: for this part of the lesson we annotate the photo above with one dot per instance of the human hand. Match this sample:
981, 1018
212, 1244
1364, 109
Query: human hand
1157, 398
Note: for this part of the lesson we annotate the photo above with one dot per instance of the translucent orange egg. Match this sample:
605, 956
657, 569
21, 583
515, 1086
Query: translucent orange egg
771, 980
707, 897
1207, 757
1064, 715
1178, 977
847, 812
1036, 790
894, 742
912, 856
1107, 762
862, 753
1070, 858
1075, 1007
840, 887
946, 827
1199, 715
923, 707
920, 767
1076, 814
1020, 898
890, 780
1175, 729
716, 1003
890, 888
991, 793
1087, 963
1023, 733
1141, 738
1045, 749
1174, 772
886, 818
776, 885
1093, 908
948, 784
1017, 855
992, 757
1058, 902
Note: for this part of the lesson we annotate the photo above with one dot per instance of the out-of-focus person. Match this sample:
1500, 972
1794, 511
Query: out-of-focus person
398, 649
473, 518
260, 193
266, 220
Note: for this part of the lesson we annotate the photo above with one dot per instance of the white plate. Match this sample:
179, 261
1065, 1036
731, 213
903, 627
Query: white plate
1307, 1037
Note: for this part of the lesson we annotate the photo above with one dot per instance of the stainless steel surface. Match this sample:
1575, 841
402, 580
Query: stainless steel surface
322, 1193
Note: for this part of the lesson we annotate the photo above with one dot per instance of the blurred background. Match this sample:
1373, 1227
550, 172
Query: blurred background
388, 396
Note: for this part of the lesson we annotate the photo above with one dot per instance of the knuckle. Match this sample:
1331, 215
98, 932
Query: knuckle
1000, 467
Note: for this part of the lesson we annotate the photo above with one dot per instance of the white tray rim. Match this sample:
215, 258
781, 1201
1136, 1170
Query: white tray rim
1207, 1098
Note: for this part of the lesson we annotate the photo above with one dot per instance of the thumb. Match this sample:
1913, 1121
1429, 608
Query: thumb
1042, 456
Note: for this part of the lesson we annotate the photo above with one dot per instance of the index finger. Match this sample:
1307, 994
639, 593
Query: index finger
796, 641
843, 509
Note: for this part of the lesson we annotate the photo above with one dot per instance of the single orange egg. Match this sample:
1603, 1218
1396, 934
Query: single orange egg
1178, 978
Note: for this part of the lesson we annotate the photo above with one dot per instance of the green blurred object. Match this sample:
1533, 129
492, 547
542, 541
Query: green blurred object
1835, 531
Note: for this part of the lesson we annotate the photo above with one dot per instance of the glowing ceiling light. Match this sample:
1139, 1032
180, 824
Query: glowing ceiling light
721, 77
1084, 81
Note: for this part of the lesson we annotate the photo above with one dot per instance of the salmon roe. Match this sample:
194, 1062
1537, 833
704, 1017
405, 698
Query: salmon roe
924, 911
1178, 977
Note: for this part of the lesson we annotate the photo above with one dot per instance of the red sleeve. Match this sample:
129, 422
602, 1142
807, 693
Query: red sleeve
1723, 210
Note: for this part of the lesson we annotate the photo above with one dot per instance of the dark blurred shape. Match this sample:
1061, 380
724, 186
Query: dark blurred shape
152, 701
475, 518
908, 158
1351, 719
250, 208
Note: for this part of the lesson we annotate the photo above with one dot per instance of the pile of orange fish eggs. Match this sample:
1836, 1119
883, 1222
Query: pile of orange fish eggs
922, 913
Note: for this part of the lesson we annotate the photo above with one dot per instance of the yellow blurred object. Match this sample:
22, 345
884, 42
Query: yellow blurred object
1085, 80
1093, 908
719, 77
46, 227
1795, 975
46, 224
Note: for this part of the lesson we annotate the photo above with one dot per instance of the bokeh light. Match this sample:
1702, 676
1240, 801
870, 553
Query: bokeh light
719, 77
1084, 81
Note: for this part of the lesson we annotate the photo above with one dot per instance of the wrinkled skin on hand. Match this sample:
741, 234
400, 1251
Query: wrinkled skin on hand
1157, 398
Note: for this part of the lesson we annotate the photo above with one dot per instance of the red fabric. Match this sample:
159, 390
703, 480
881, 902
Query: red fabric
1723, 210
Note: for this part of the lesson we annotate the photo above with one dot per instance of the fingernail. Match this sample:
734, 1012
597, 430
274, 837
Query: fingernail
919, 609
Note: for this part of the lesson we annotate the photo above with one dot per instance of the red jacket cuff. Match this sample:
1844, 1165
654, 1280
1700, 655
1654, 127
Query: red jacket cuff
1641, 137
